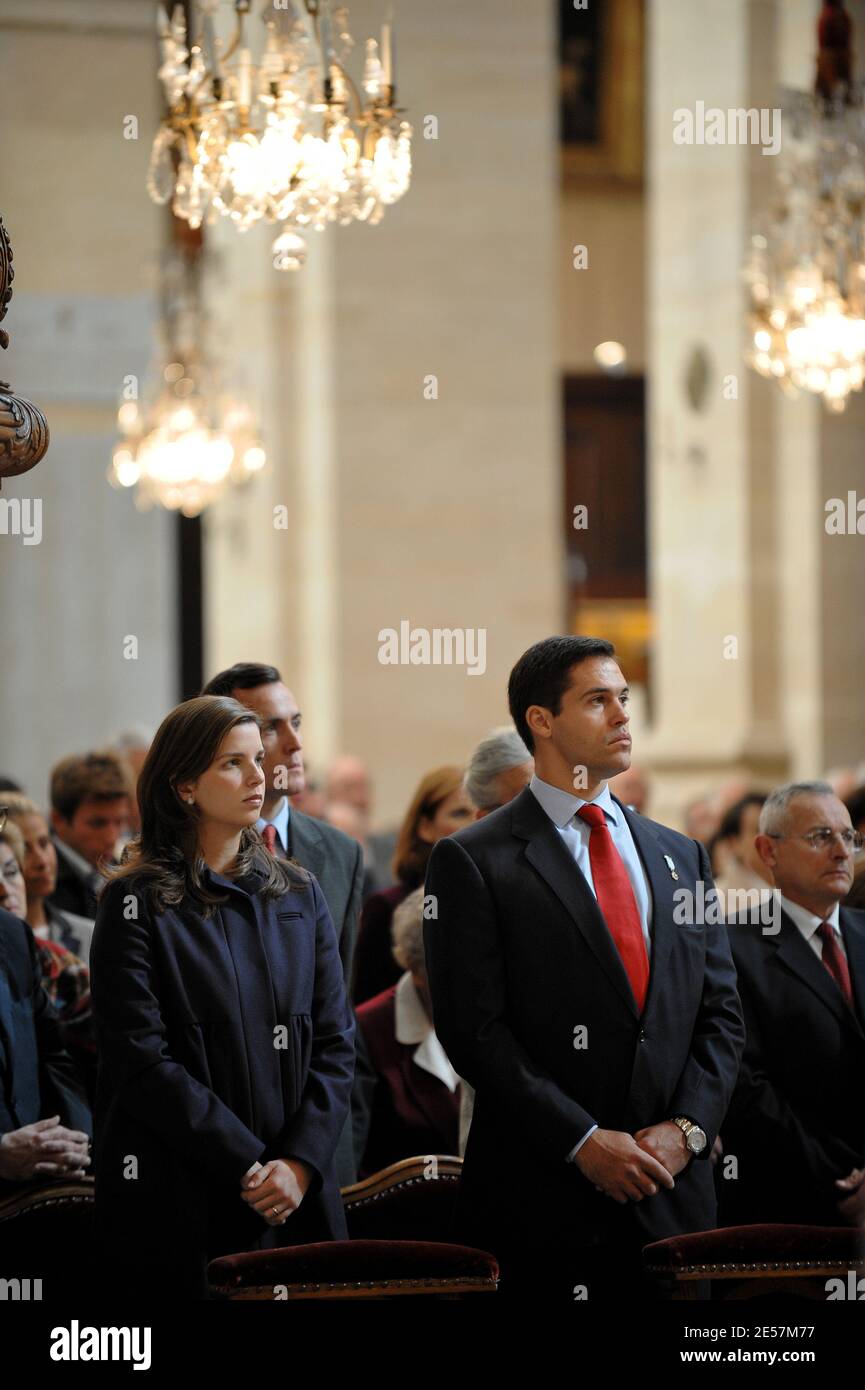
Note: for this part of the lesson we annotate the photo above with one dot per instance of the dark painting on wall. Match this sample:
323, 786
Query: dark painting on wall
579, 69
601, 91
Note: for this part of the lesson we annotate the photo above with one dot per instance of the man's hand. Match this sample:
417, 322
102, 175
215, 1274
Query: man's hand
665, 1142
280, 1184
620, 1167
45, 1148
852, 1206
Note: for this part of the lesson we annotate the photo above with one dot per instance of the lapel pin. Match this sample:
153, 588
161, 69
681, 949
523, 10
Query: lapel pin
671, 866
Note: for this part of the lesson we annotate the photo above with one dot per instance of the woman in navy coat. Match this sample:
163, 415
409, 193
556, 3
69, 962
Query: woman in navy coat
226, 1044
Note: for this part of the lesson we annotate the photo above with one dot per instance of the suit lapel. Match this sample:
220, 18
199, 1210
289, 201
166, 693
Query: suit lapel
799, 958
663, 886
305, 843
546, 852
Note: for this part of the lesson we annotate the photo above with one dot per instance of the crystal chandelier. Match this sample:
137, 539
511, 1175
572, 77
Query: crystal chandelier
187, 440
288, 139
806, 267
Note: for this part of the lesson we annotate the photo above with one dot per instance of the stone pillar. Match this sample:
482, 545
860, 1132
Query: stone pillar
744, 583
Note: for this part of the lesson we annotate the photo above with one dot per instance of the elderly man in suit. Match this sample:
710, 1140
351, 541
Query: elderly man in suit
334, 858
796, 1125
600, 1030
45, 1122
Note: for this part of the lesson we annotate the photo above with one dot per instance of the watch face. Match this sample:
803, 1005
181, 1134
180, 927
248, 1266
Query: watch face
696, 1141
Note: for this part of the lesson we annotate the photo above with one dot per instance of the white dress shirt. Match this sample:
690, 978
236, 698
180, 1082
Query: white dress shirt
562, 808
412, 1024
808, 924
280, 821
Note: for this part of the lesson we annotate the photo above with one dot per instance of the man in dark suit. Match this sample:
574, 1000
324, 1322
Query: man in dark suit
45, 1122
796, 1126
90, 798
580, 988
334, 858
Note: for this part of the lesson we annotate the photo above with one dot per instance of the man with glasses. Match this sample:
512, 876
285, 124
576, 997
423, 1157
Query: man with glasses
796, 1125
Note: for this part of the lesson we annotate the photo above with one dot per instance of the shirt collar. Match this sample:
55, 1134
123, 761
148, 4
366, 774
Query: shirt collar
279, 821
412, 1025
806, 921
562, 806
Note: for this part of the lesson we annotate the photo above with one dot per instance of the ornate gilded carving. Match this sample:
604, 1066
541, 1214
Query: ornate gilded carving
24, 433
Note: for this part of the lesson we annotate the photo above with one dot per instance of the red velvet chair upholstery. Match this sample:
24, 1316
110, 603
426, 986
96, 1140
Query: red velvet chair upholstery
354, 1269
752, 1261
410, 1200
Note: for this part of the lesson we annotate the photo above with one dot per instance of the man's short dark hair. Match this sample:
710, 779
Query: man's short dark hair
543, 674
731, 823
243, 675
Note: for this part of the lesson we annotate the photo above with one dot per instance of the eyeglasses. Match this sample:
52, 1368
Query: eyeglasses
4, 811
824, 837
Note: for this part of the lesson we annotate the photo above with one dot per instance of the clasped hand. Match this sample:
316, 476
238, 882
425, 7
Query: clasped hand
276, 1189
45, 1148
630, 1167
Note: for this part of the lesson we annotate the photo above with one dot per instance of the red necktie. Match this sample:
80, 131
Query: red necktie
835, 961
616, 900
268, 835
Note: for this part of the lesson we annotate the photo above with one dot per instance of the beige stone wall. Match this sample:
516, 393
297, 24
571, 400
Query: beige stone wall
443, 512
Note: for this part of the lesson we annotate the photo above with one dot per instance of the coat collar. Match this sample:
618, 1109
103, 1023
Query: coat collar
413, 1028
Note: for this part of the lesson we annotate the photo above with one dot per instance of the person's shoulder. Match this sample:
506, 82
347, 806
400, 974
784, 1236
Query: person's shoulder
683, 843
379, 1007
496, 827
338, 843
15, 931
854, 919
126, 894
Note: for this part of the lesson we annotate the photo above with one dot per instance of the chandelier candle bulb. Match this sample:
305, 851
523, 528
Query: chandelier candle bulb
244, 79
209, 46
387, 59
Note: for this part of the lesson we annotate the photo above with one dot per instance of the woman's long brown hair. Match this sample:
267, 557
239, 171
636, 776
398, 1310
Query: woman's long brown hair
166, 852
411, 853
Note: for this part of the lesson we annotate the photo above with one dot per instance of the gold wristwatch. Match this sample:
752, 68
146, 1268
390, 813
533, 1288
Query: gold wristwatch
695, 1137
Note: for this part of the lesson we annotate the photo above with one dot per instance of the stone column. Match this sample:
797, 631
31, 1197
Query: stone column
744, 583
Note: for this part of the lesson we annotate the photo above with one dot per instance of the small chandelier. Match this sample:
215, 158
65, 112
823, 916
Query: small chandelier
288, 139
806, 267
187, 440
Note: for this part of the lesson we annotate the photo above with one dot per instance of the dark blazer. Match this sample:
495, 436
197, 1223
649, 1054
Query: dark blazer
72, 892
37, 1076
375, 968
413, 1111
797, 1118
337, 862
518, 958
222, 1041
